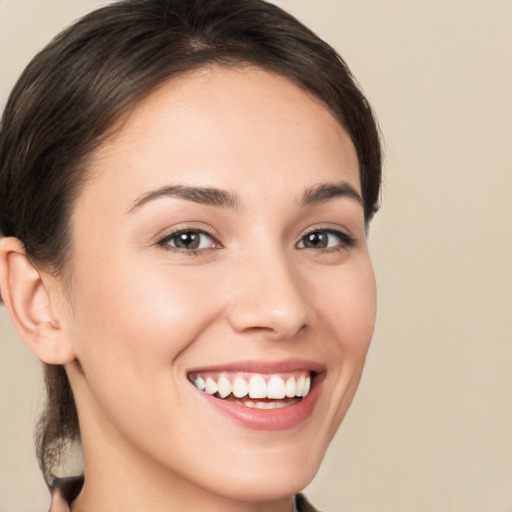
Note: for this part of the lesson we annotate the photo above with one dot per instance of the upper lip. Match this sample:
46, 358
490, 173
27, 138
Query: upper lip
264, 367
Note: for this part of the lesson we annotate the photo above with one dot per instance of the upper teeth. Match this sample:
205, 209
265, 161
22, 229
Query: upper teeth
256, 386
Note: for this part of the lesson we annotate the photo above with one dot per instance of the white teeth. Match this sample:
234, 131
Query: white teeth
264, 405
210, 386
199, 383
276, 387
307, 386
280, 405
225, 387
299, 391
290, 387
240, 387
273, 387
257, 387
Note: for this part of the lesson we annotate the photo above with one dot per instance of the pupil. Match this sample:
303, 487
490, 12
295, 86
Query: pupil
187, 241
317, 240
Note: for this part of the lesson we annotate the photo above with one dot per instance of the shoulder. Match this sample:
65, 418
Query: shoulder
303, 505
64, 491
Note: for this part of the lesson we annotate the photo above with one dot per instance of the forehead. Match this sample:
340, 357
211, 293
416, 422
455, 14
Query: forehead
224, 127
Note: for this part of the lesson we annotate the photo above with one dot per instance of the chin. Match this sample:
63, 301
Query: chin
270, 486
269, 475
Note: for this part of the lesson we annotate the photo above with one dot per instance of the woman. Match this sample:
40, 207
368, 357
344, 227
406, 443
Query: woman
186, 187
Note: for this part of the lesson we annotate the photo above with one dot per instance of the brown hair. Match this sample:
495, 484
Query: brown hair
83, 81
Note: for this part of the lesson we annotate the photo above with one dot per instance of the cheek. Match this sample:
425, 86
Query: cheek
132, 327
345, 310
137, 319
350, 309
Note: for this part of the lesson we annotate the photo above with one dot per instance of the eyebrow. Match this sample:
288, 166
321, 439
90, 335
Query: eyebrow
326, 191
223, 199
202, 195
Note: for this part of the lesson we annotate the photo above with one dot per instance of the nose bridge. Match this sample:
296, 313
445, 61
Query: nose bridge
268, 294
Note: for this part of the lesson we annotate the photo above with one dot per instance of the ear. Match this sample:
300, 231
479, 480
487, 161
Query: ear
35, 316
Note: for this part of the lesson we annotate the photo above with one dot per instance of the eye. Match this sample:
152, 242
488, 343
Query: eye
325, 239
188, 240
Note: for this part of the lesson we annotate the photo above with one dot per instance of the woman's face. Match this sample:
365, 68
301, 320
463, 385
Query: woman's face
220, 243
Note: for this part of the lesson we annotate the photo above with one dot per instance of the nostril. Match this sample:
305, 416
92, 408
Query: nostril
261, 318
268, 298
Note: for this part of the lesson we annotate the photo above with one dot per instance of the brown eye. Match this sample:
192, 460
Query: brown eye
325, 239
317, 240
189, 240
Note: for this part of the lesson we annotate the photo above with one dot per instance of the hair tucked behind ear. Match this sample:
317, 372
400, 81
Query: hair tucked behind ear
82, 82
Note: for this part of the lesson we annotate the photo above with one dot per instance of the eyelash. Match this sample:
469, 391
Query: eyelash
164, 242
345, 240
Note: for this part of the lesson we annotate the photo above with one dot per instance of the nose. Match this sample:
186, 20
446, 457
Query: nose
267, 296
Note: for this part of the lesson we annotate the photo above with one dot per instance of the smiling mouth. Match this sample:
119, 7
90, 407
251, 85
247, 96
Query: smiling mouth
255, 390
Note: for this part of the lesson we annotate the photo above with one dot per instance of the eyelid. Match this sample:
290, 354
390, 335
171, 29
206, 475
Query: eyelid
347, 240
163, 240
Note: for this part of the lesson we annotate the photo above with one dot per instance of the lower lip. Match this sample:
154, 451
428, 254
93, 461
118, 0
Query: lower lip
284, 418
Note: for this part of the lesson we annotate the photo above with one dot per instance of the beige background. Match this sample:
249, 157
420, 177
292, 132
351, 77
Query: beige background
431, 427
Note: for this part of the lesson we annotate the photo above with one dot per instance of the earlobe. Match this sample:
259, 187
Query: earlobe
29, 304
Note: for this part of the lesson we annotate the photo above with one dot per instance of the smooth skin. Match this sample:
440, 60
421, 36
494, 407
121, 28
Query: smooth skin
143, 307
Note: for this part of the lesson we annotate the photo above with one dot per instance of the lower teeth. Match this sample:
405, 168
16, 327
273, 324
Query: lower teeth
275, 404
